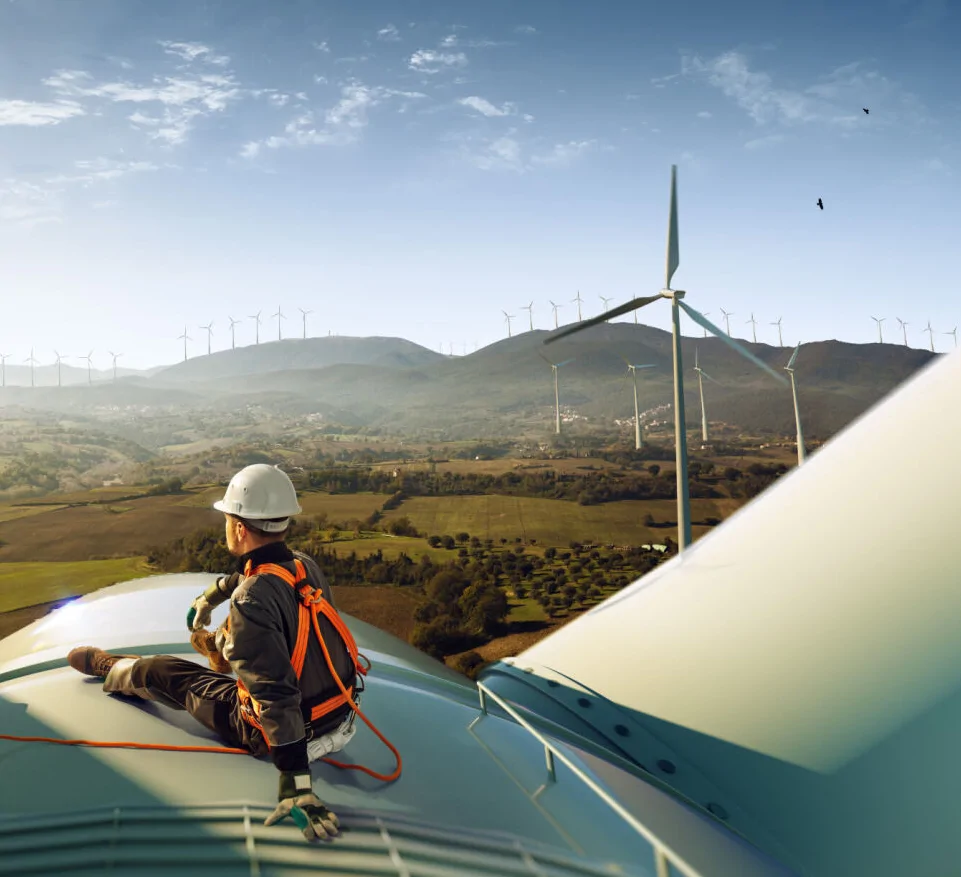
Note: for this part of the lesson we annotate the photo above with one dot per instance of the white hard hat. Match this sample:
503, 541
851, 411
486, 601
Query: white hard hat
261, 493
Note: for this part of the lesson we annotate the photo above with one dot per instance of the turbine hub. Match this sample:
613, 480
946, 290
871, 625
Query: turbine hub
673, 293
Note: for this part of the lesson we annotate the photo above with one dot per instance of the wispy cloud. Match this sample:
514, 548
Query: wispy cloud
564, 154
192, 51
322, 47
704, 114
763, 142
452, 40
37, 113
486, 108
183, 98
100, 170
525, 28
835, 100
508, 153
27, 204
431, 61
341, 124
389, 34
661, 81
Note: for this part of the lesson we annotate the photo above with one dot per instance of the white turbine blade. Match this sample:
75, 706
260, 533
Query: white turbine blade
707, 324
565, 362
709, 377
673, 254
632, 305
649, 365
793, 357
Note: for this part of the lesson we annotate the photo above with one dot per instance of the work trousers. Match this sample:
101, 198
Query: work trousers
210, 697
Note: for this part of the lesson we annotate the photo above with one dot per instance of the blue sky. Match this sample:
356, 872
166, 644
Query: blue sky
413, 169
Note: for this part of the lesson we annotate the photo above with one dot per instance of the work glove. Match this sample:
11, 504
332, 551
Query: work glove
198, 616
298, 801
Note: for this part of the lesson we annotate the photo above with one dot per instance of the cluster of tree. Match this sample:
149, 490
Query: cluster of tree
166, 487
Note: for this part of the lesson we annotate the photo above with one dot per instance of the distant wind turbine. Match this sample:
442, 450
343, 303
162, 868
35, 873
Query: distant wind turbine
57, 362
753, 323
706, 314
209, 329
557, 399
789, 368
3, 368
879, 322
233, 340
700, 385
677, 305
904, 329
637, 417
954, 334
555, 312
279, 317
117, 356
929, 330
508, 317
578, 299
780, 340
256, 318
89, 358
727, 320
530, 313
605, 300
33, 363
305, 319
186, 338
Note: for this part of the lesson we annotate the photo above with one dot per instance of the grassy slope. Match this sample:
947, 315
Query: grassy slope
27, 584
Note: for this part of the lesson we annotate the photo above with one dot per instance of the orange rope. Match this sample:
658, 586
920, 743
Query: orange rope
224, 749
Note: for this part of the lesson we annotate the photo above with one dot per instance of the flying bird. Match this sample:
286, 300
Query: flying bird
867, 112
820, 203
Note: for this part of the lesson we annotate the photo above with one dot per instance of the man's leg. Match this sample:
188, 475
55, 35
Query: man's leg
211, 698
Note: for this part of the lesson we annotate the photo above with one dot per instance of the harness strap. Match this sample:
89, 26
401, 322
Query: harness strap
312, 604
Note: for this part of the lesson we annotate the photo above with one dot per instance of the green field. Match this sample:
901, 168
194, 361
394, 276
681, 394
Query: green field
13, 513
551, 521
391, 546
27, 584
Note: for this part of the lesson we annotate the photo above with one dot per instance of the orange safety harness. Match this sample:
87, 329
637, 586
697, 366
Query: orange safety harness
312, 604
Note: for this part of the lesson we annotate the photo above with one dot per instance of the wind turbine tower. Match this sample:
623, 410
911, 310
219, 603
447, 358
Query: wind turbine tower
753, 323
3, 368
57, 362
700, 385
186, 338
904, 329
508, 317
780, 340
209, 329
706, 314
637, 416
954, 333
578, 299
555, 312
727, 320
677, 305
117, 356
233, 340
256, 319
530, 313
557, 399
33, 363
789, 368
89, 358
929, 330
879, 322
605, 300
279, 317
302, 311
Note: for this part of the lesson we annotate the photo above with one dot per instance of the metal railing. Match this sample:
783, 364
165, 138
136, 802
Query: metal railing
664, 856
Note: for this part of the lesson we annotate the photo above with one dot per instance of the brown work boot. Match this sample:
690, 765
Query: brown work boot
204, 642
93, 661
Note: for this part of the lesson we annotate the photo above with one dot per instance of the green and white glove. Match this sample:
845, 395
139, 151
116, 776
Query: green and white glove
198, 616
298, 801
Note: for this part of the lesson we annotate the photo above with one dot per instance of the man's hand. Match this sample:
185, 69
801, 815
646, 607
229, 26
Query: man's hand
310, 814
298, 801
198, 615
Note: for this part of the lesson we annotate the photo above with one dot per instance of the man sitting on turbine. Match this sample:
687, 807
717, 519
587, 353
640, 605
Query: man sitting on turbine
286, 700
